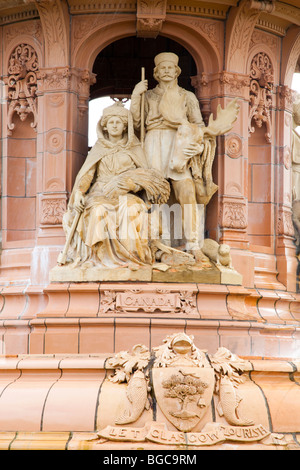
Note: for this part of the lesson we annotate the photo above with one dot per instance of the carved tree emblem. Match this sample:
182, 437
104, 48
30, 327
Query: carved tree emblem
186, 388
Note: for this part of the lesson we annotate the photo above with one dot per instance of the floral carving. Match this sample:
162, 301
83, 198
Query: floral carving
22, 84
244, 22
233, 215
57, 78
53, 211
286, 97
108, 301
188, 302
233, 82
261, 87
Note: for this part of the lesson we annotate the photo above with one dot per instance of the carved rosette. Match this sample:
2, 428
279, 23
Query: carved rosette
67, 79
261, 88
233, 145
22, 85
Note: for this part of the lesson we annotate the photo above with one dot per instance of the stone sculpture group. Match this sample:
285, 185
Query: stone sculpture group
116, 215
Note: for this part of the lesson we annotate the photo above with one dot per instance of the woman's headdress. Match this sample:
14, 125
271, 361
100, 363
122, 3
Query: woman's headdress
117, 109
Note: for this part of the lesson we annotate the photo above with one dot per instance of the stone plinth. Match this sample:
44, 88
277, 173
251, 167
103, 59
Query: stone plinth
102, 317
213, 275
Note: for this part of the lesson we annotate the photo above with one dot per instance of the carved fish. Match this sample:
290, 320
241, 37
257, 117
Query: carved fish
137, 394
229, 402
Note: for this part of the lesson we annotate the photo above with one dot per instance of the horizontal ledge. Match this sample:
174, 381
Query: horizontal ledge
82, 362
41, 362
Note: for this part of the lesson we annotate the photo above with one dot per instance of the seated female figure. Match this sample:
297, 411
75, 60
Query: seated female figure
113, 225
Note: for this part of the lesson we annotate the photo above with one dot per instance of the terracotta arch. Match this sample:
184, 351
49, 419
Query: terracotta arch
198, 43
205, 55
239, 28
290, 55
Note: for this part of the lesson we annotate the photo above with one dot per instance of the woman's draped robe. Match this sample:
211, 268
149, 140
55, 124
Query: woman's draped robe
113, 228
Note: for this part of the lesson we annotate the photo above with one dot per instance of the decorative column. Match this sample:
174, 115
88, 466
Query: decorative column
62, 143
62, 130
226, 214
20, 115
285, 246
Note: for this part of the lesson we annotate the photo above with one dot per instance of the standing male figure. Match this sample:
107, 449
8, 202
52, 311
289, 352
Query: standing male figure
167, 106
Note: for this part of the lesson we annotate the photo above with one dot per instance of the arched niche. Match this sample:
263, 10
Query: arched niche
200, 43
118, 66
290, 55
188, 34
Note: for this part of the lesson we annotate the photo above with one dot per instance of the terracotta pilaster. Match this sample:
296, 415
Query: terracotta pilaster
285, 247
227, 215
62, 142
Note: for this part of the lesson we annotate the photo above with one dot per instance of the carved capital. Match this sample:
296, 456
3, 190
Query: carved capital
85, 80
54, 79
223, 83
151, 15
234, 83
66, 79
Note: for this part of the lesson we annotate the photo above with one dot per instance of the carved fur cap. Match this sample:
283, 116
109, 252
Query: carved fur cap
166, 56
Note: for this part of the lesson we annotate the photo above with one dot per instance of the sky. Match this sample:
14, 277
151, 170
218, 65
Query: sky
95, 110
96, 106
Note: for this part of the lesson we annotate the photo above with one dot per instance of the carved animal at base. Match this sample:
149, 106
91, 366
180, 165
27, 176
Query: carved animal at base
217, 253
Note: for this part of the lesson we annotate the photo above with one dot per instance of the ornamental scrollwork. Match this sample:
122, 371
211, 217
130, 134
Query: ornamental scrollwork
261, 88
22, 85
